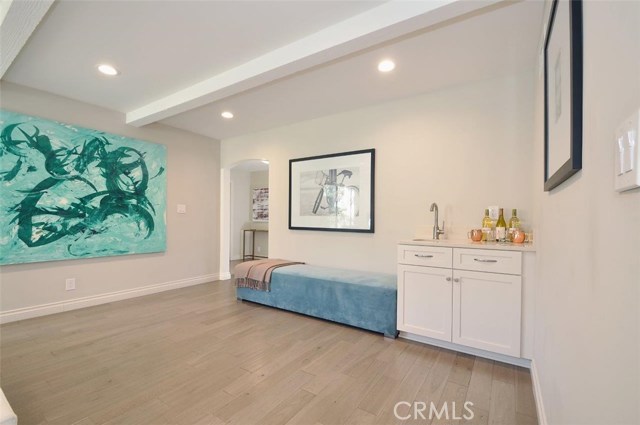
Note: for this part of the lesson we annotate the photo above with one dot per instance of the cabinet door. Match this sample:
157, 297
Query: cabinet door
424, 301
486, 311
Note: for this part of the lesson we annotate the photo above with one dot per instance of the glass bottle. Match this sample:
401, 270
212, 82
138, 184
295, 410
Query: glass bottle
501, 227
487, 225
514, 224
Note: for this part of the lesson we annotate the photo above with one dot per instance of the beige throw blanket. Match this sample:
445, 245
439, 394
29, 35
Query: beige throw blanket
257, 274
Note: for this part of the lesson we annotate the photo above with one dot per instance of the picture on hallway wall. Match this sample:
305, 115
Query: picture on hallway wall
260, 204
68, 192
332, 192
563, 93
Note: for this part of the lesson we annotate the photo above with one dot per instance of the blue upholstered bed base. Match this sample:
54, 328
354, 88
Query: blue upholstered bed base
362, 299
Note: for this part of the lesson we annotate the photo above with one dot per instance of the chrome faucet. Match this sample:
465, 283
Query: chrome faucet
436, 230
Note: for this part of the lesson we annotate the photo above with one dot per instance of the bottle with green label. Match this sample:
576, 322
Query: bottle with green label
514, 224
487, 225
501, 227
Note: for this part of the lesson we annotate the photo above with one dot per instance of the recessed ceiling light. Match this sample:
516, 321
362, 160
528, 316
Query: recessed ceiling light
227, 115
107, 69
386, 65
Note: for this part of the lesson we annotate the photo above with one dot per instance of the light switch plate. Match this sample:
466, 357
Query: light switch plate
181, 209
627, 154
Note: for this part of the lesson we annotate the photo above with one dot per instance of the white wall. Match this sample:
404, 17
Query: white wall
193, 178
587, 340
465, 148
240, 209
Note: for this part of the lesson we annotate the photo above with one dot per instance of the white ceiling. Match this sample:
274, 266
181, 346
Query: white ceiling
175, 56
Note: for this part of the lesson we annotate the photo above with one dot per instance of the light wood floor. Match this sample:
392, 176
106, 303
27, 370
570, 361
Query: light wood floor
196, 356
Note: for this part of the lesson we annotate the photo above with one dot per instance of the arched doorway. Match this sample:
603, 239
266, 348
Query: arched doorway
243, 188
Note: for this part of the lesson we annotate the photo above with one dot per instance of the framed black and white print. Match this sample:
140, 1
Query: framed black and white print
260, 204
333, 192
563, 93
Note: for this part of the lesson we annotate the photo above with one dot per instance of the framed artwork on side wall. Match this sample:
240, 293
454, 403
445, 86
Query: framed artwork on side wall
563, 93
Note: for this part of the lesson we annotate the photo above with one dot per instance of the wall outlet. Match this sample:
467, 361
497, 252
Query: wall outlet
258, 248
70, 284
181, 209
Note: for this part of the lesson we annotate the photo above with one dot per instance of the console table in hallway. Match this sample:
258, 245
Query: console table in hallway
252, 255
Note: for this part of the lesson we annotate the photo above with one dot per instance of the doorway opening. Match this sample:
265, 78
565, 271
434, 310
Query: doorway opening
245, 214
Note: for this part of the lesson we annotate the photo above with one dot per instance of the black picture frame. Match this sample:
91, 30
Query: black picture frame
333, 192
559, 164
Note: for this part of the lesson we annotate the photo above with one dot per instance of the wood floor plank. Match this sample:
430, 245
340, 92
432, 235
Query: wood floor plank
503, 404
434, 384
504, 373
249, 407
525, 401
287, 409
330, 359
480, 384
197, 356
360, 417
375, 398
480, 417
320, 382
462, 368
293, 358
408, 388
453, 398
314, 410
344, 404
526, 419
84, 421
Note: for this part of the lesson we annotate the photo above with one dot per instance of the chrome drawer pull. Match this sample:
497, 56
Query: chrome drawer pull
485, 261
423, 256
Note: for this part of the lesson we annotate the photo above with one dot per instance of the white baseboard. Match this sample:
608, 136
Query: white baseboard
537, 393
225, 276
74, 304
516, 361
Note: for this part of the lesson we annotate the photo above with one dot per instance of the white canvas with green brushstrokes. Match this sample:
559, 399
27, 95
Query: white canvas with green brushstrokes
68, 192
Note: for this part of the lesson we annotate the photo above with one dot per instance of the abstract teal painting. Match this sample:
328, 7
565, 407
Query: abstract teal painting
68, 192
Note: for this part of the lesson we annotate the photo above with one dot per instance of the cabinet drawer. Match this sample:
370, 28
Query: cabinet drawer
419, 255
484, 260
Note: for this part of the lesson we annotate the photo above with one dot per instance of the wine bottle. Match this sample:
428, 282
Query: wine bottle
501, 227
487, 225
514, 224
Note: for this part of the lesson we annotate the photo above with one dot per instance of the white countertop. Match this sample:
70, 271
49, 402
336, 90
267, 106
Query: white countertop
466, 243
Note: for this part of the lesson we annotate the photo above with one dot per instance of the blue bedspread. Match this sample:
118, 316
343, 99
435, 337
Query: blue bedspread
362, 299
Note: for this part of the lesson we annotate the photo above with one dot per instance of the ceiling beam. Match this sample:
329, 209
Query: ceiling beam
378, 25
18, 20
